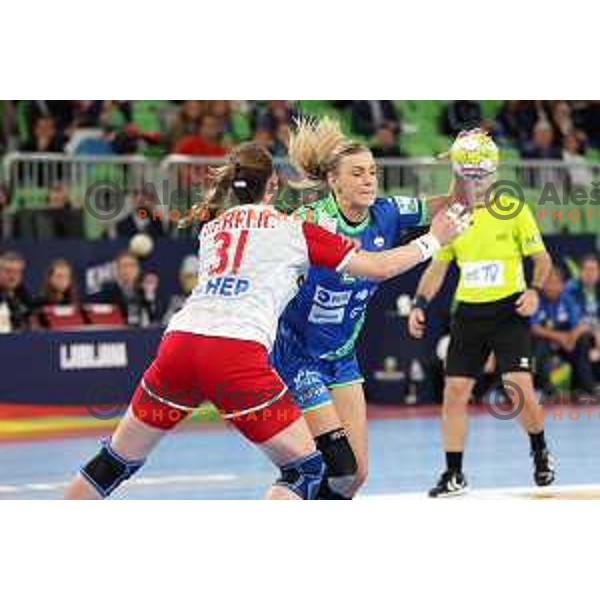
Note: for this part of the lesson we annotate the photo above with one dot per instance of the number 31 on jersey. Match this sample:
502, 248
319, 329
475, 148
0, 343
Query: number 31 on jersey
226, 250
223, 272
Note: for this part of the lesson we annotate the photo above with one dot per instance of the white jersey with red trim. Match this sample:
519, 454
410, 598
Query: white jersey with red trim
251, 258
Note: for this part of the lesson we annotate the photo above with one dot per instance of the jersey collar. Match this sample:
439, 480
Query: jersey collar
343, 225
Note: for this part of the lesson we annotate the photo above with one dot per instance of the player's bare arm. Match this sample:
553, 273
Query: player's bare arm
445, 227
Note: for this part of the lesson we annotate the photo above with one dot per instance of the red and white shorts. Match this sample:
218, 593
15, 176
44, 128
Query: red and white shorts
235, 375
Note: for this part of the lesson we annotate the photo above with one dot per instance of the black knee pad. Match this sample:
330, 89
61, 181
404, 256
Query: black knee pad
341, 464
108, 470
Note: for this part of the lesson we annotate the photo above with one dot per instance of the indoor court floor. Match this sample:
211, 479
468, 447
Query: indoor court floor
405, 455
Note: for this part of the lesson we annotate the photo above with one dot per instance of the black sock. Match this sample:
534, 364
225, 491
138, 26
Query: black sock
454, 461
538, 442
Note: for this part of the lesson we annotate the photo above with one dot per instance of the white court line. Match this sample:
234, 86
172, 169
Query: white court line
579, 491
138, 482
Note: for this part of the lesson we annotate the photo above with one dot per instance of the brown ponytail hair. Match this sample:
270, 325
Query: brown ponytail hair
317, 148
246, 174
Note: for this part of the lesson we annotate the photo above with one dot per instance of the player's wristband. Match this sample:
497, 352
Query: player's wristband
428, 245
420, 302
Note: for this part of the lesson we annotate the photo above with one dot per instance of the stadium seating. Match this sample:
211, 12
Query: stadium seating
103, 314
62, 317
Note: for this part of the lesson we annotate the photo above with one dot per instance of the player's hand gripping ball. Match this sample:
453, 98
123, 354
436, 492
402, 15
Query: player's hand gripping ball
474, 155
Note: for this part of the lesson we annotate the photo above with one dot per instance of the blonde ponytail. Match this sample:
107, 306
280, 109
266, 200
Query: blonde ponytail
316, 148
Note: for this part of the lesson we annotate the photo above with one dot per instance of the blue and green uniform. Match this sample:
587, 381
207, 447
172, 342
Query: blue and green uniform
315, 346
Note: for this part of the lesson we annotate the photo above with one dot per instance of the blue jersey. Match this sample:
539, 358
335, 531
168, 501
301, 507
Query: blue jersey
587, 301
327, 314
561, 314
314, 348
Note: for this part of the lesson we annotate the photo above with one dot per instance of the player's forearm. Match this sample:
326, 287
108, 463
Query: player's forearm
542, 264
390, 263
402, 259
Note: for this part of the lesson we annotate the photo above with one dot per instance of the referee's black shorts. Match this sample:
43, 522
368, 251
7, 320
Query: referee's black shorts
479, 329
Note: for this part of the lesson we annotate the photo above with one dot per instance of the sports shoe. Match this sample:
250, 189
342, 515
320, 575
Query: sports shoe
543, 468
451, 483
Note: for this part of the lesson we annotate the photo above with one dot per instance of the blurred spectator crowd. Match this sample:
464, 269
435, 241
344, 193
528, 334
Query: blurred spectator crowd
566, 329
117, 127
537, 128
130, 297
532, 129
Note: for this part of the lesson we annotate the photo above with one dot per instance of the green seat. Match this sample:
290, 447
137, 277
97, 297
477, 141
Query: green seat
324, 108
240, 123
593, 156
30, 198
146, 114
22, 120
509, 153
424, 116
315, 107
490, 108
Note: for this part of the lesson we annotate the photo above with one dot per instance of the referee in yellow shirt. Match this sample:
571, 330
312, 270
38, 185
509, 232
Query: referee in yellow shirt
493, 309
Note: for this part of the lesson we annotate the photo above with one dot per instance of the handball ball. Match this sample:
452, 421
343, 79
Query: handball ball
474, 154
141, 245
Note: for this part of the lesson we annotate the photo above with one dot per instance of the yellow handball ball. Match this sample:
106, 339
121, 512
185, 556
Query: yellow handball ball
474, 154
